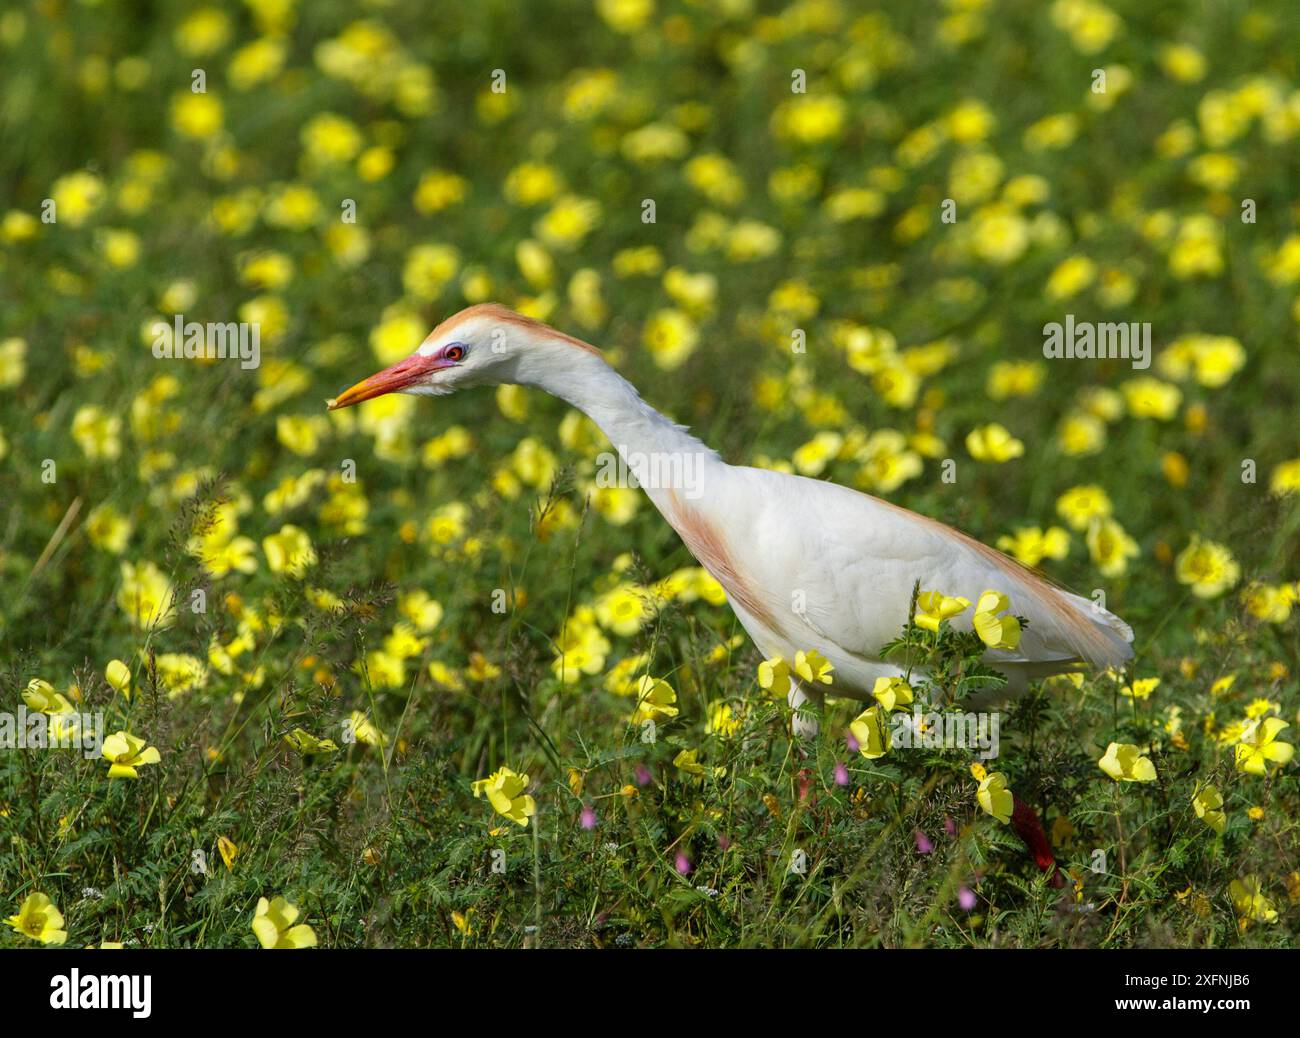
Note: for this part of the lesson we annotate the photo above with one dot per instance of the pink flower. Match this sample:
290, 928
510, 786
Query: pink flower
588, 818
966, 898
923, 844
841, 774
643, 776
683, 864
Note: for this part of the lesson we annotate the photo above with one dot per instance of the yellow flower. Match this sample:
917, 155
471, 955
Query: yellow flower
97, 432
812, 667
621, 679
1070, 278
1208, 567
1208, 804
993, 443
16, 226
531, 183
774, 677
671, 337
751, 240
582, 648
623, 609
146, 595
1079, 505
812, 458
180, 672
999, 234
933, 607
1148, 397
118, 675
870, 731
994, 796
330, 138
289, 551
1212, 359
886, 462
715, 177
273, 924
655, 699
307, 744
76, 197
257, 62
625, 16
1271, 604
1259, 746
438, 190
126, 752
686, 761
429, 269
997, 632
655, 142
39, 695
1140, 689
1015, 379
480, 668
39, 920
268, 269
1124, 763
1251, 904
1090, 25
196, 115
970, 121
569, 220
892, 692
810, 119
722, 720
293, 206
13, 362
1197, 249
1182, 61
447, 524
1110, 547
204, 31
364, 731
119, 248
505, 792
1031, 544
424, 612
1285, 478
301, 434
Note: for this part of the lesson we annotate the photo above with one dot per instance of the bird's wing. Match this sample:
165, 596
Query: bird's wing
842, 565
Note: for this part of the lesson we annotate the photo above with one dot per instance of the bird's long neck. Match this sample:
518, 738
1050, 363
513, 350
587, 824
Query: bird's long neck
664, 456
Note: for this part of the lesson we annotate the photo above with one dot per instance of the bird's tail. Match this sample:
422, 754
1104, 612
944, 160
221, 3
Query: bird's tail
1104, 640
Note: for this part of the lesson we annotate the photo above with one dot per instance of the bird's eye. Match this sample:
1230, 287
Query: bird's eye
454, 352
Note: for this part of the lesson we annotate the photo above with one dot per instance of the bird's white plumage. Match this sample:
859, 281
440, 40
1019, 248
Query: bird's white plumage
834, 570
806, 564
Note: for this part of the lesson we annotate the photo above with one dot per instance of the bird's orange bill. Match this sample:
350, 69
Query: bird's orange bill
401, 375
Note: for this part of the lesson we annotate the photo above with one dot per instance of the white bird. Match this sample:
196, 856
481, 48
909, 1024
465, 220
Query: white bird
806, 564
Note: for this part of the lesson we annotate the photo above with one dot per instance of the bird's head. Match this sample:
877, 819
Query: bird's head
483, 345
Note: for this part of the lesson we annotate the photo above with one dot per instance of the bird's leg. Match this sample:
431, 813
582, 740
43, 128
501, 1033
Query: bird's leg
803, 702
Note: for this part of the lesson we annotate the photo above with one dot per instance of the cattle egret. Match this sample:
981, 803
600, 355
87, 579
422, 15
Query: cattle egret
806, 564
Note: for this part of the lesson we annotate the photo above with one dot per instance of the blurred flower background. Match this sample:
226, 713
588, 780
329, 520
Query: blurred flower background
828, 237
